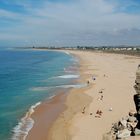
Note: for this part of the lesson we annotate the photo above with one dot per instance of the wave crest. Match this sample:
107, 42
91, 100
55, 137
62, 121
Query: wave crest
61, 86
25, 125
68, 76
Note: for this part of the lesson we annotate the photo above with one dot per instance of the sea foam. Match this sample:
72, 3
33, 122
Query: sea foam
25, 125
61, 86
62, 77
67, 53
68, 76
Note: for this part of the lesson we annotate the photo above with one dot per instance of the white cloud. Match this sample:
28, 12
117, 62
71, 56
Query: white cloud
7, 14
83, 21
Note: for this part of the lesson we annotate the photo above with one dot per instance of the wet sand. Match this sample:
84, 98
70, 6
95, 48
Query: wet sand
44, 115
75, 118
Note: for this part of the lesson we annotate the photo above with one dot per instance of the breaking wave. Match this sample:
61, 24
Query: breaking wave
67, 53
68, 76
25, 125
61, 86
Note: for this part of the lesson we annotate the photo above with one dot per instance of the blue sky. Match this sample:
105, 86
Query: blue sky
69, 22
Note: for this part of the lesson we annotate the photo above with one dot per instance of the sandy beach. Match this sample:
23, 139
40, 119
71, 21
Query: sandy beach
111, 79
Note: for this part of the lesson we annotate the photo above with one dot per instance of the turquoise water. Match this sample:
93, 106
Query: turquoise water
28, 77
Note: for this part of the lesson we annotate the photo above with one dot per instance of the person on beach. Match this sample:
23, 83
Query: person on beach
88, 82
83, 110
93, 78
101, 91
101, 97
99, 114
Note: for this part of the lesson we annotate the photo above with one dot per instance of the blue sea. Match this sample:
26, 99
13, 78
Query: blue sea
28, 77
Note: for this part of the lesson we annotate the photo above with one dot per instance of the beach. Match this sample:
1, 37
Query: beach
110, 79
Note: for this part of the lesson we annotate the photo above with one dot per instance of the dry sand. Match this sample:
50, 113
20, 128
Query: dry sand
115, 76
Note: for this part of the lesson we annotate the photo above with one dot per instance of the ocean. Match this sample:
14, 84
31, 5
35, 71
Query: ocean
28, 77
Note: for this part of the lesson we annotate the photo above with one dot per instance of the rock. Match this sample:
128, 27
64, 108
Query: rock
132, 119
138, 91
123, 123
137, 131
132, 113
138, 124
137, 88
138, 75
115, 128
123, 134
137, 101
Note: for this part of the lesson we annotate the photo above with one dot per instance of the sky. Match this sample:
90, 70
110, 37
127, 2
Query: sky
69, 22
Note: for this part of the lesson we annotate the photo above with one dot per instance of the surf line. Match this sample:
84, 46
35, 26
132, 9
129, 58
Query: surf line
26, 123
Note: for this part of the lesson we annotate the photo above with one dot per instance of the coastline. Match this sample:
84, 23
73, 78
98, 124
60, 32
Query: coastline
45, 112
49, 110
75, 102
115, 76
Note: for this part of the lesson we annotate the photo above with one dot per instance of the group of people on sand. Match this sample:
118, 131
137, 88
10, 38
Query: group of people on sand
93, 78
98, 112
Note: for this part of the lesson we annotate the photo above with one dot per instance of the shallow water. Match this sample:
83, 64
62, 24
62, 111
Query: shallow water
23, 71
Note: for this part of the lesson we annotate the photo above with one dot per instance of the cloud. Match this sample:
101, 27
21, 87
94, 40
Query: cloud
7, 14
91, 22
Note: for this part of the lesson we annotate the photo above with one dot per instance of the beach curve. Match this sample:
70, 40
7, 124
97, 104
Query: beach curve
110, 76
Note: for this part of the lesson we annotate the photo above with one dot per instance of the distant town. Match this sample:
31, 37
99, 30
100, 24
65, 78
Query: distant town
132, 50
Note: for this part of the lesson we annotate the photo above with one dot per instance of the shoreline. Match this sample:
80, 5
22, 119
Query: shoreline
76, 101
71, 123
48, 111
40, 116
44, 116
